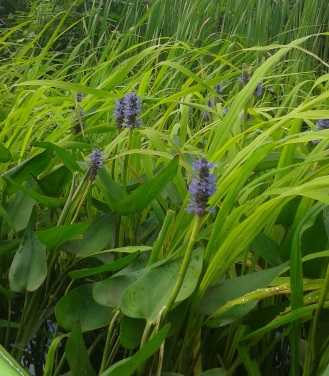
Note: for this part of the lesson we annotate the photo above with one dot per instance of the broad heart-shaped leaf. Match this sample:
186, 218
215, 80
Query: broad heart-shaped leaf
63, 155
98, 235
77, 354
29, 267
144, 194
131, 332
30, 167
78, 305
19, 209
50, 202
56, 236
150, 293
109, 291
221, 293
128, 366
53, 183
5, 154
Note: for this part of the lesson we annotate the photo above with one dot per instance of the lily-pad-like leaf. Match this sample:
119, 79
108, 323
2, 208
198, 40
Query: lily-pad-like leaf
29, 267
5, 154
63, 155
28, 168
131, 332
219, 295
79, 306
150, 293
144, 194
56, 236
129, 365
109, 291
77, 354
50, 202
98, 235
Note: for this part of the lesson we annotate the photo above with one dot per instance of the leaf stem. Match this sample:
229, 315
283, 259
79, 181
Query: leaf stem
184, 266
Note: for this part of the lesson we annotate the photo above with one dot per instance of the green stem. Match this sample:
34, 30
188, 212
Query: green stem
107, 343
67, 204
125, 165
184, 266
81, 201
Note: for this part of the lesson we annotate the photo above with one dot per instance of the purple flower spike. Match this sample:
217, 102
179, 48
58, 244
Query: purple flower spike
96, 161
244, 78
320, 125
225, 111
132, 108
202, 187
259, 89
219, 91
79, 96
119, 112
206, 115
126, 111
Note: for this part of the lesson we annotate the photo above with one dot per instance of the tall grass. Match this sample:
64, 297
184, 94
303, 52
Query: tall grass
99, 259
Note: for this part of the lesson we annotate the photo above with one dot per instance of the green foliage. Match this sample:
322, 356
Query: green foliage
94, 270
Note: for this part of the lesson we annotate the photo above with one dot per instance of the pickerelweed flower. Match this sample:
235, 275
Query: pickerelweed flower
79, 96
320, 125
202, 187
132, 108
126, 111
259, 89
96, 161
225, 111
206, 115
219, 91
118, 113
244, 78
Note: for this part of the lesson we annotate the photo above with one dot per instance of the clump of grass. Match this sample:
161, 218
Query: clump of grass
106, 250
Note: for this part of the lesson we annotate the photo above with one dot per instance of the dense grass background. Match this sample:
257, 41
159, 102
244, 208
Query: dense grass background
87, 268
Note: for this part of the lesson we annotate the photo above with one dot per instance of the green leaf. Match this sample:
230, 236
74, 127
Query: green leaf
77, 354
53, 183
63, 155
54, 237
272, 159
131, 332
50, 202
144, 194
114, 266
109, 291
29, 168
9, 366
19, 209
221, 294
129, 365
267, 248
29, 267
141, 301
79, 306
50, 360
5, 154
100, 234
113, 189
